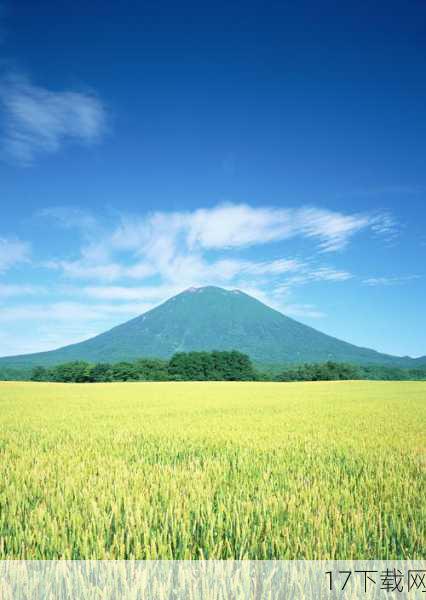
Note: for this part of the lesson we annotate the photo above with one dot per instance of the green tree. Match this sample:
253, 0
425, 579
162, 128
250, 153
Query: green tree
40, 374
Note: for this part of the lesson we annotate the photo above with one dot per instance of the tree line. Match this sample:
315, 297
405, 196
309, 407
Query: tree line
183, 366
334, 371
206, 366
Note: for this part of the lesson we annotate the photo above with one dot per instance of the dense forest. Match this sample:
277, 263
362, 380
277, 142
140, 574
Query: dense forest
183, 366
206, 366
332, 371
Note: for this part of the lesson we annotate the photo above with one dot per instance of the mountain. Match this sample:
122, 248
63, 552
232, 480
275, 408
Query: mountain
211, 318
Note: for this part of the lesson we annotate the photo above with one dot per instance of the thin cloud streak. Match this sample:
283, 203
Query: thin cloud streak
69, 311
175, 245
230, 226
13, 252
18, 290
39, 121
397, 280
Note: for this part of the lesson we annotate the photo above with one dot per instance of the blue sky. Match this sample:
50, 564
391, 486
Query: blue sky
279, 148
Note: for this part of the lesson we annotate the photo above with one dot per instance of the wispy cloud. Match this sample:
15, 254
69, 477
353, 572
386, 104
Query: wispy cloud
55, 324
18, 290
70, 217
303, 310
12, 252
166, 252
175, 245
329, 274
89, 268
312, 274
39, 120
140, 261
240, 225
69, 311
226, 273
229, 226
42, 337
384, 225
397, 280
278, 297
128, 293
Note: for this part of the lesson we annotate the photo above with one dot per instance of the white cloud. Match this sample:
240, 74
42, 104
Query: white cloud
227, 273
235, 226
12, 290
70, 311
329, 274
182, 247
175, 267
279, 299
44, 326
42, 338
70, 217
242, 225
82, 269
332, 229
312, 274
398, 280
13, 252
123, 293
385, 226
239, 225
274, 267
303, 310
40, 121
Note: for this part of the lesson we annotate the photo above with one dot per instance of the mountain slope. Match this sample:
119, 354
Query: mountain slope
211, 318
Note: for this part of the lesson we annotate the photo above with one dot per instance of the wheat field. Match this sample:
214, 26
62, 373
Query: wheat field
213, 470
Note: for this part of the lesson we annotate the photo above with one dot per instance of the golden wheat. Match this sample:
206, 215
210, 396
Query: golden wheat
213, 470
